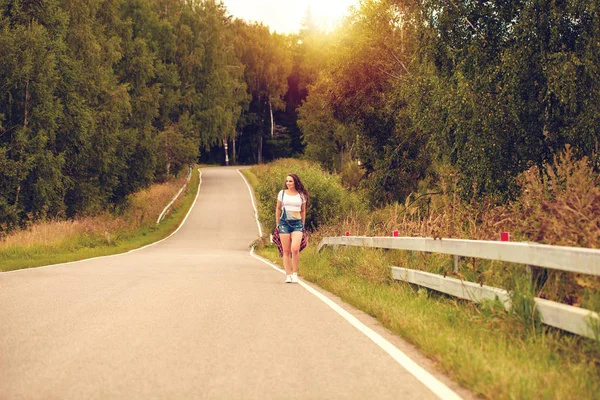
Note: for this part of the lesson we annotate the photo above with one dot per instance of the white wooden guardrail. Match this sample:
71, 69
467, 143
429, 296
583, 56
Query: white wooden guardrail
572, 319
168, 207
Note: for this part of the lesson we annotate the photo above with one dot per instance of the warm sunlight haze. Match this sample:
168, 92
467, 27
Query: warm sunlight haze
286, 16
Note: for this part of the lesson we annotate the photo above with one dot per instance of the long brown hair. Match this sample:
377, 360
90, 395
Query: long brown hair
299, 188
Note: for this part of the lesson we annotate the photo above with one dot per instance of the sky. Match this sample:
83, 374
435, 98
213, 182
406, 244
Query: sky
285, 16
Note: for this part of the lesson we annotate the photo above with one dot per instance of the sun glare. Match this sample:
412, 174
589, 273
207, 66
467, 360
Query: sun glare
329, 13
286, 16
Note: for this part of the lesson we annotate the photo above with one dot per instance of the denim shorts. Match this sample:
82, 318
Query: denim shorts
288, 226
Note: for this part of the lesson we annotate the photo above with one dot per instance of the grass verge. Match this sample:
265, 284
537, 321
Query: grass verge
481, 347
122, 234
495, 353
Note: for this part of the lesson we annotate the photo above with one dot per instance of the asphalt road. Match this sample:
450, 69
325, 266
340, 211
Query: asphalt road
192, 317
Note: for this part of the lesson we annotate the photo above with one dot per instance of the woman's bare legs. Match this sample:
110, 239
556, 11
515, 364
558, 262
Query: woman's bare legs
285, 243
295, 249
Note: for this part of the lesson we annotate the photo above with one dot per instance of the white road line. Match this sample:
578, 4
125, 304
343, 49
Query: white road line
260, 232
130, 251
432, 383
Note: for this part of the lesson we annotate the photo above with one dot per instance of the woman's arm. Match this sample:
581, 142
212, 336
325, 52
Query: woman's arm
303, 212
278, 213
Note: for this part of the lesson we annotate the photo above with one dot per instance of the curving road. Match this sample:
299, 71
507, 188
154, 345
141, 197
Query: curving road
192, 317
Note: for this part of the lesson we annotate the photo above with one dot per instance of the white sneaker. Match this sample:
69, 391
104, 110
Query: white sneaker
294, 278
288, 279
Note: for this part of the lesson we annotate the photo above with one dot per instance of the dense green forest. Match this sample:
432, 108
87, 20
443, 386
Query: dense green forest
490, 88
101, 98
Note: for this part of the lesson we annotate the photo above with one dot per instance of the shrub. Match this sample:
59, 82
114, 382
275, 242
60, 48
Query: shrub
352, 175
561, 206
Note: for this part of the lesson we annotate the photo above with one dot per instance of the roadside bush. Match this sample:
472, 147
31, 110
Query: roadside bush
561, 206
352, 175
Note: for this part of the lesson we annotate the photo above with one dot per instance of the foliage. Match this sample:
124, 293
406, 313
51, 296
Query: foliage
356, 109
560, 205
491, 88
352, 175
100, 99
326, 140
511, 84
267, 62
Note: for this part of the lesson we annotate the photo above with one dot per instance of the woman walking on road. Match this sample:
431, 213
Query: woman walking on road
291, 216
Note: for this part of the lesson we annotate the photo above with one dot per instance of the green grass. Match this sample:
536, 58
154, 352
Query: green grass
482, 347
250, 176
89, 246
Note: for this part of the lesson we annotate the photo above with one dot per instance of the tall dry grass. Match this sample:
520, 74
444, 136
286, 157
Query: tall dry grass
141, 209
561, 206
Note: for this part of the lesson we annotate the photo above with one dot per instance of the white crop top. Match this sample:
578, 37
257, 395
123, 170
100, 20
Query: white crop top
291, 203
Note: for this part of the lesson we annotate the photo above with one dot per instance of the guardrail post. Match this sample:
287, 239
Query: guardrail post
537, 276
456, 263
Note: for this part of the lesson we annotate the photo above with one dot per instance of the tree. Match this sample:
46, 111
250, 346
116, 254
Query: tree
326, 139
31, 42
363, 88
512, 84
267, 63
